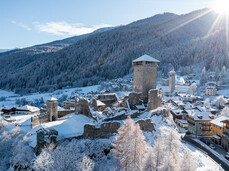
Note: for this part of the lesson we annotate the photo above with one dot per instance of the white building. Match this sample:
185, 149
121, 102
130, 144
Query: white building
210, 91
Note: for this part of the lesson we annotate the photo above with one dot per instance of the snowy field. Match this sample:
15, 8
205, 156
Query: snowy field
205, 163
224, 92
11, 97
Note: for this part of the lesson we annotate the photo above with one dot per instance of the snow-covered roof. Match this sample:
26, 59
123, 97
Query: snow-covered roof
99, 103
54, 99
178, 112
218, 121
29, 108
182, 88
140, 107
204, 116
146, 58
172, 72
216, 137
192, 112
60, 108
182, 121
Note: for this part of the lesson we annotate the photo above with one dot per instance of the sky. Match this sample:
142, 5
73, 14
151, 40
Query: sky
24, 23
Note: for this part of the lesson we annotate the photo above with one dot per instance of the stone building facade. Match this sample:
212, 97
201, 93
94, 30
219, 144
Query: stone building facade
154, 100
52, 110
145, 75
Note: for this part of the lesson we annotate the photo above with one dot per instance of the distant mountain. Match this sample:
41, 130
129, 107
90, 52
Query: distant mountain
12, 60
183, 41
4, 50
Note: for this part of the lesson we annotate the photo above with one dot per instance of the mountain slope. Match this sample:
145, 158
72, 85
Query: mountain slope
177, 40
18, 58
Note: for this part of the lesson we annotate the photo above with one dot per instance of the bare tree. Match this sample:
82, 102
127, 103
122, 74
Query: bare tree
187, 163
130, 146
86, 164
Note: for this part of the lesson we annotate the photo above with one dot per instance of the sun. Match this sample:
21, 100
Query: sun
221, 6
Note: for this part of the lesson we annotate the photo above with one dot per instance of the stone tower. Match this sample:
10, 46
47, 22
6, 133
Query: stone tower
52, 110
145, 75
172, 79
154, 99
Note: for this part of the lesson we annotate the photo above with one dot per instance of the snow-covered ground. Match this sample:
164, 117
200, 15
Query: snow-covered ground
11, 97
204, 162
223, 92
69, 126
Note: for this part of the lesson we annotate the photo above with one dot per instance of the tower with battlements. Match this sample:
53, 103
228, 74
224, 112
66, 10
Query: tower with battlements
145, 75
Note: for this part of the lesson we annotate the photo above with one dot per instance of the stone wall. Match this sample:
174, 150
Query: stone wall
154, 99
104, 131
107, 129
65, 112
82, 107
135, 99
36, 120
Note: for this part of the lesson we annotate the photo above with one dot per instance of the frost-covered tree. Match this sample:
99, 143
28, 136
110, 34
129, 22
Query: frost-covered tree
86, 164
192, 88
207, 102
203, 77
172, 146
156, 156
70, 156
225, 112
164, 153
219, 101
130, 146
8, 140
187, 163
44, 161
23, 155
223, 74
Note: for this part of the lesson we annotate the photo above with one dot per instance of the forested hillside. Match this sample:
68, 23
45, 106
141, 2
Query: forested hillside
183, 41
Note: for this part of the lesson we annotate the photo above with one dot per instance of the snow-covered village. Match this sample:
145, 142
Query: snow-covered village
152, 95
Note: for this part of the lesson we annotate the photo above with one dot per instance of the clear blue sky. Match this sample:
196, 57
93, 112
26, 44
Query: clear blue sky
28, 22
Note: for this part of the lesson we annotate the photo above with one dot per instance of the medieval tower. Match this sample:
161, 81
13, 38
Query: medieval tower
172, 75
52, 110
145, 75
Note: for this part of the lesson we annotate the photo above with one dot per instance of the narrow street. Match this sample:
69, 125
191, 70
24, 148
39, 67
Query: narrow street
224, 164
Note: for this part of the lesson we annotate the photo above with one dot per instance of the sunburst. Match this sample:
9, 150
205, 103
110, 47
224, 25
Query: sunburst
221, 6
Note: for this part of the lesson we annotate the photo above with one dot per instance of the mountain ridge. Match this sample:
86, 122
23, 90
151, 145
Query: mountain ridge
107, 55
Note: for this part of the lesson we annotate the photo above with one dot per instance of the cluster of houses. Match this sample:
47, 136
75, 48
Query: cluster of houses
200, 120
